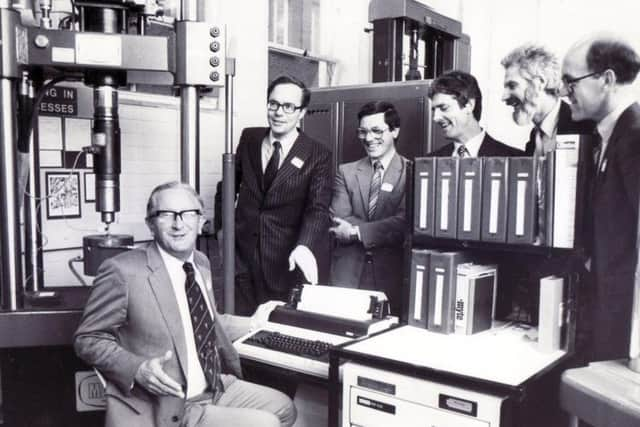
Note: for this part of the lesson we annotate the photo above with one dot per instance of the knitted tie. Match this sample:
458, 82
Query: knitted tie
597, 149
374, 190
462, 151
203, 331
272, 167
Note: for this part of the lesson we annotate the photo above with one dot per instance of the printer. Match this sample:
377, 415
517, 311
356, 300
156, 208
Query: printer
298, 335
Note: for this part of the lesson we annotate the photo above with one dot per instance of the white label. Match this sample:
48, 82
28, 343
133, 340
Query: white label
98, 49
63, 54
437, 309
444, 205
297, 162
386, 187
521, 190
494, 206
417, 302
424, 194
468, 204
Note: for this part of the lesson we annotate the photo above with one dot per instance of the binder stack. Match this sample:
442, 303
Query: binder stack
494, 200
522, 200
424, 196
443, 268
419, 290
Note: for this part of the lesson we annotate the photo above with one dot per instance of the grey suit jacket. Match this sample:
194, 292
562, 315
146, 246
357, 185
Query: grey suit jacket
131, 316
382, 236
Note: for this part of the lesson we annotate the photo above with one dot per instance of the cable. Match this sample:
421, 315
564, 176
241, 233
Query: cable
73, 270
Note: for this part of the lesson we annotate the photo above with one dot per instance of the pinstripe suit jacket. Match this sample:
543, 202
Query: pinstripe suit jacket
132, 315
293, 211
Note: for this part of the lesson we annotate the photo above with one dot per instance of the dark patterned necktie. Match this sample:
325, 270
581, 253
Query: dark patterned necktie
597, 149
203, 331
463, 152
272, 166
374, 190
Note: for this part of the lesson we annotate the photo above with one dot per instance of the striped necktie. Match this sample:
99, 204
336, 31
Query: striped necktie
204, 332
374, 190
463, 152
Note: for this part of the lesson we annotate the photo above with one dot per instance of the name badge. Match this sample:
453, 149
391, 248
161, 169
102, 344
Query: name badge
603, 167
297, 162
387, 187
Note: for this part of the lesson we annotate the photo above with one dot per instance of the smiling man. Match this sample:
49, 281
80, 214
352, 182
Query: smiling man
151, 327
531, 87
368, 208
283, 181
456, 106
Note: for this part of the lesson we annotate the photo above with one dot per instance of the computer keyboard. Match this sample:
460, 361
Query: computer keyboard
313, 349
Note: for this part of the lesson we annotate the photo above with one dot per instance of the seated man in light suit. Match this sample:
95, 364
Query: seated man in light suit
368, 209
456, 104
151, 328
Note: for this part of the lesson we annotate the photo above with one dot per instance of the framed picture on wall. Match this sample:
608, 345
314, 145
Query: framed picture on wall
63, 194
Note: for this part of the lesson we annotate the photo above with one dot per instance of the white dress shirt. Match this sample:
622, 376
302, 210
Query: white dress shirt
472, 145
196, 381
286, 143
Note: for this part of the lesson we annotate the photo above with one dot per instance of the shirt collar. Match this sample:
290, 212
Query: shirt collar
171, 261
472, 144
286, 142
606, 125
549, 124
386, 159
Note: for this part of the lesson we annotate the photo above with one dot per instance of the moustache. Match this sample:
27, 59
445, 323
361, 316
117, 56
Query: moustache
512, 101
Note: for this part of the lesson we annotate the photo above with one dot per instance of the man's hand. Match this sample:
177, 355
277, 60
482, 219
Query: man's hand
343, 230
154, 379
261, 316
306, 262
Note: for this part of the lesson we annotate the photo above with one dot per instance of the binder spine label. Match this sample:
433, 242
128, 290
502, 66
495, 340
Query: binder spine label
444, 206
468, 204
439, 297
417, 301
462, 291
521, 193
494, 205
424, 195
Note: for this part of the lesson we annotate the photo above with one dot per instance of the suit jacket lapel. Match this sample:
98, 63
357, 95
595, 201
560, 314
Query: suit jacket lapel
364, 174
163, 290
255, 158
391, 176
620, 127
301, 149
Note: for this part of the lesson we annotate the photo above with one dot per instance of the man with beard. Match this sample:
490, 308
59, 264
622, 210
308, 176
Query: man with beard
531, 84
456, 106
368, 208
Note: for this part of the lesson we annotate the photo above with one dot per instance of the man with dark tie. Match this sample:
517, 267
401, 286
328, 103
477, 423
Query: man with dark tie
284, 189
456, 106
598, 75
531, 87
368, 209
151, 328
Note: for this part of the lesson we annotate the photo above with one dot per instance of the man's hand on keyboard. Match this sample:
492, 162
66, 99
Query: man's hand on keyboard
261, 316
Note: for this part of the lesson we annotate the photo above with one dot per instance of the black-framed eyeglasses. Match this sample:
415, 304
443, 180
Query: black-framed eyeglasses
187, 215
376, 132
570, 83
287, 107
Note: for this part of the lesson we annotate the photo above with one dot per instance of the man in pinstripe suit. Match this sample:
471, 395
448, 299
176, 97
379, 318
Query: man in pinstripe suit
284, 190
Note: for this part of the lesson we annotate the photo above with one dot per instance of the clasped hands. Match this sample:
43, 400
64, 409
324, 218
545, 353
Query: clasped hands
344, 231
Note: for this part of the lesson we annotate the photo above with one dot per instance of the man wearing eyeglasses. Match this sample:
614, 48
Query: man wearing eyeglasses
368, 208
456, 105
531, 87
151, 328
284, 189
598, 75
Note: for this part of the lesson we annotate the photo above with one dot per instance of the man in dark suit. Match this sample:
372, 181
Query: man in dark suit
368, 209
456, 105
531, 84
152, 330
284, 189
598, 74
